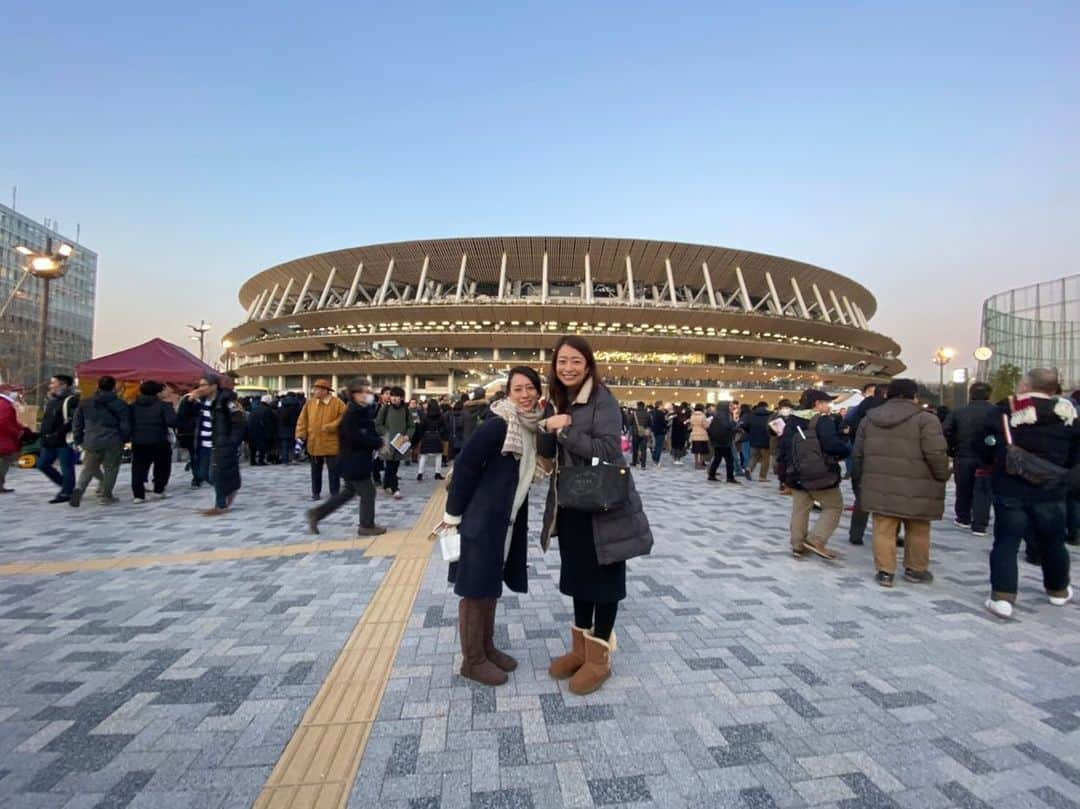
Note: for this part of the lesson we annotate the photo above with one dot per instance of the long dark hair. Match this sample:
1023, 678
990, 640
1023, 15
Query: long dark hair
556, 389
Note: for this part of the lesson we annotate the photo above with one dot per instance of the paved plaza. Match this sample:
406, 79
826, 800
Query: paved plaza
151, 657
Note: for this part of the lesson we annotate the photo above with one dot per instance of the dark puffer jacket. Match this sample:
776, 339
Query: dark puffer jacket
757, 426
359, 440
964, 428
151, 419
901, 462
102, 422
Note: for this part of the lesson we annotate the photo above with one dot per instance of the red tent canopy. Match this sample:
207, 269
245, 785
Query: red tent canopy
156, 359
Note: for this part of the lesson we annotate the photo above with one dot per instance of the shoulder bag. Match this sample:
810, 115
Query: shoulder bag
1028, 466
593, 489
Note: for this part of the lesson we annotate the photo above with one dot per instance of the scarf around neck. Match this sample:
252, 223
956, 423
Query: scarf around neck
517, 424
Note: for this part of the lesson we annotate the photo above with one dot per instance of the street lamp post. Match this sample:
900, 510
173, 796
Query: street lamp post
200, 335
46, 266
942, 357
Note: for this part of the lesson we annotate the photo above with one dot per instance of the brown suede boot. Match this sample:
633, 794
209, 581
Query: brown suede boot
475, 664
597, 666
569, 663
500, 659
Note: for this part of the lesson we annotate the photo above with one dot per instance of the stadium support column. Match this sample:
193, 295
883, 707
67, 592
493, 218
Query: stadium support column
629, 281
588, 280
354, 288
386, 282
269, 303
408, 386
451, 383
326, 288
421, 285
300, 299
670, 282
544, 280
461, 279
502, 277
744, 294
305, 380
254, 307
708, 284
284, 297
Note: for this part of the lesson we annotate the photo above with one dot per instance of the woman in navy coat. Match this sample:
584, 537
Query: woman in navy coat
488, 502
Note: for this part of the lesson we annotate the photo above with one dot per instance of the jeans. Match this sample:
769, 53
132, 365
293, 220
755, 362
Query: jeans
802, 503
641, 450
200, 465
972, 494
916, 543
103, 463
1042, 524
143, 456
65, 478
722, 453
743, 453
331, 462
658, 447
364, 489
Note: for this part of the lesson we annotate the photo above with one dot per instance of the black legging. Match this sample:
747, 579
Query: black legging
604, 623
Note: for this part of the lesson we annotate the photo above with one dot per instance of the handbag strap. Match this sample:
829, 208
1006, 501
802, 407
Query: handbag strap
1008, 432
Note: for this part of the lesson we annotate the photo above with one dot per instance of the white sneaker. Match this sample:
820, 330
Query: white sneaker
1061, 601
1002, 609
398, 495
139, 500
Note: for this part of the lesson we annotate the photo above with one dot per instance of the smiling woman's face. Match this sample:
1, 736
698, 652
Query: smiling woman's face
571, 367
523, 393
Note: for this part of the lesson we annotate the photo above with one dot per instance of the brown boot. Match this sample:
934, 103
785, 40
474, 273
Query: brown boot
500, 659
597, 666
569, 663
475, 664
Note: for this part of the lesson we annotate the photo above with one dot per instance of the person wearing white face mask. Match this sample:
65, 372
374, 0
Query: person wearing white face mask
358, 440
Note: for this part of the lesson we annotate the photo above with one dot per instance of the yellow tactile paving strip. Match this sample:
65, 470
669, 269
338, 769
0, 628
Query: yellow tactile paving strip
47, 568
318, 766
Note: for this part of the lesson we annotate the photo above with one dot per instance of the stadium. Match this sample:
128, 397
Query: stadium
667, 320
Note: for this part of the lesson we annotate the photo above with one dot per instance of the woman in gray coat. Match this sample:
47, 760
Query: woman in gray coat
593, 547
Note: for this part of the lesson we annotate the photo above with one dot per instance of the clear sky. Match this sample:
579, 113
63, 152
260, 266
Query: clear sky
928, 150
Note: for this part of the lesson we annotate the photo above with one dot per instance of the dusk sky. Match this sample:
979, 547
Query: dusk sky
927, 150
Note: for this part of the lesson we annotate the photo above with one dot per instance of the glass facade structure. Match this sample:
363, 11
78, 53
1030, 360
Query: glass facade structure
1036, 326
71, 303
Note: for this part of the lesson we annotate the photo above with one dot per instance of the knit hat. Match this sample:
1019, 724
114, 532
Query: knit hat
811, 396
358, 383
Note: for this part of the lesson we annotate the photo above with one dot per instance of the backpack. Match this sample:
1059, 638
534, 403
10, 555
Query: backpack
809, 466
719, 430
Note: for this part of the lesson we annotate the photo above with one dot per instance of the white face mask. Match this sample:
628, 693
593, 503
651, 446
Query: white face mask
369, 398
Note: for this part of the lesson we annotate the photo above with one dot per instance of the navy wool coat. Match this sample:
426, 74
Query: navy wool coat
482, 494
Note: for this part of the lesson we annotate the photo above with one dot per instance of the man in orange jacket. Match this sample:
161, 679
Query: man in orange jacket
318, 426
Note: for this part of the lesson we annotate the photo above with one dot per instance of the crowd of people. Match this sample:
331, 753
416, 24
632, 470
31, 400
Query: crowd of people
1019, 457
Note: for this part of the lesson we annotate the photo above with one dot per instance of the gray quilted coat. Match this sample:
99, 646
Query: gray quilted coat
596, 431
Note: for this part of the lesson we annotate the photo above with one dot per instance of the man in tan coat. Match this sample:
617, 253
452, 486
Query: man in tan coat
318, 425
901, 465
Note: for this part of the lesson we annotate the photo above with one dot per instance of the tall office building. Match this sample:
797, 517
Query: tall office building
71, 303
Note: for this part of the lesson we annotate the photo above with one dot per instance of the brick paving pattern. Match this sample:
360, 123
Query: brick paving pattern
743, 677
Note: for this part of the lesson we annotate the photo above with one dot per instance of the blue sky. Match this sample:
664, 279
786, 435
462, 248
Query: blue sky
928, 150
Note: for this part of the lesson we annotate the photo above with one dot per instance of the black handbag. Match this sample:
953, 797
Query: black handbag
1030, 467
593, 489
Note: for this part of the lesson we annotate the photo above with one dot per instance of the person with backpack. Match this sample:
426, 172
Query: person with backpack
56, 426
901, 464
810, 450
721, 432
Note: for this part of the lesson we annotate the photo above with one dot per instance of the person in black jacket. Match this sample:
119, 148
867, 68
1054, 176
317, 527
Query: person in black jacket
760, 437
680, 432
721, 432
261, 430
1045, 426
429, 436
358, 439
228, 422
101, 427
151, 419
287, 414
56, 424
875, 397
795, 448
659, 423
964, 429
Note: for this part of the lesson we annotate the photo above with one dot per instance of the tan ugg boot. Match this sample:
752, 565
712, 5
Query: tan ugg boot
475, 664
597, 666
500, 659
569, 663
